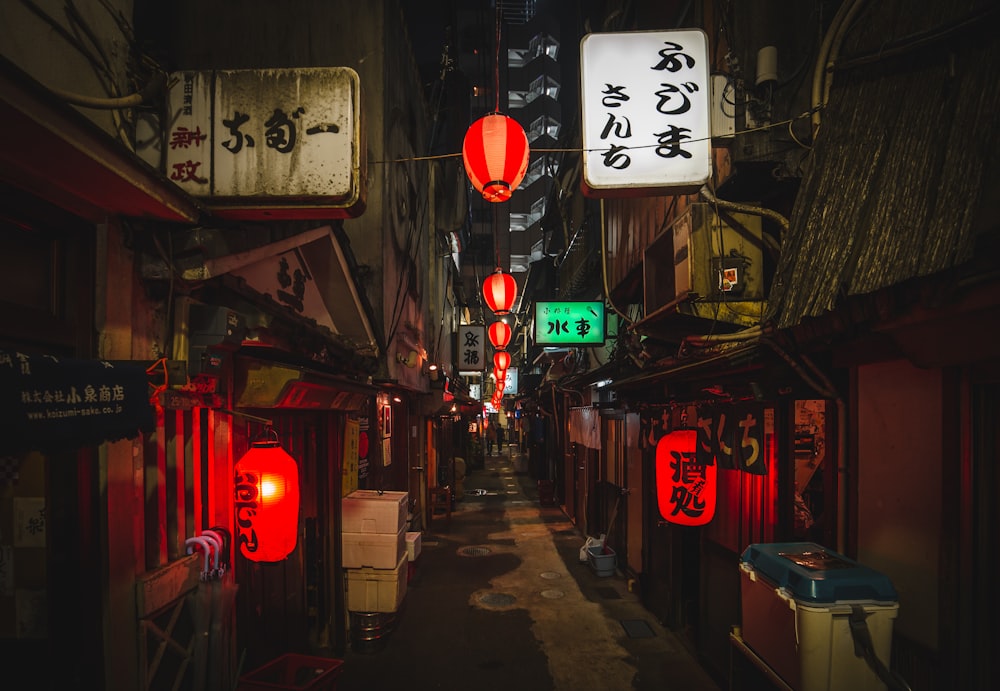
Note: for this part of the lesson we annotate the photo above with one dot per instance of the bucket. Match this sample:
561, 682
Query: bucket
369, 630
602, 560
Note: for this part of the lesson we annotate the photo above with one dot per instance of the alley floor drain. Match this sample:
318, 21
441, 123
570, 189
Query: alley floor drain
637, 628
550, 575
553, 594
474, 551
497, 599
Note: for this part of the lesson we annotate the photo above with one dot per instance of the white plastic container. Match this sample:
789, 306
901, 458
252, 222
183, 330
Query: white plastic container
373, 550
376, 590
413, 545
368, 511
797, 618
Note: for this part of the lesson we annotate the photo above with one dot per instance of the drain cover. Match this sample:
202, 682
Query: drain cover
549, 575
474, 551
637, 628
497, 599
552, 594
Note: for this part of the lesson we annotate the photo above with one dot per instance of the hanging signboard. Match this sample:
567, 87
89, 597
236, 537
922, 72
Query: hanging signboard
471, 348
645, 99
569, 323
685, 488
51, 403
249, 142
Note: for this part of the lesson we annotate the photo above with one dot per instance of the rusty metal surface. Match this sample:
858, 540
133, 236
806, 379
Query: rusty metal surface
900, 165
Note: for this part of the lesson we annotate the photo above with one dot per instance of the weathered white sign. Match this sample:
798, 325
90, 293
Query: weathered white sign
251, 141
471, 348
646, 112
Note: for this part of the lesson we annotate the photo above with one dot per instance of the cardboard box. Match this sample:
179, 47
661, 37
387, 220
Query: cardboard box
797, 600
373, 550
369, 511
376, 590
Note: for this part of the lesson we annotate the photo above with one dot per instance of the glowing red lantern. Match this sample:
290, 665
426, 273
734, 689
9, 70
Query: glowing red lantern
495, 153
499, 334
501, 359
500, 291
685, 490
267, 502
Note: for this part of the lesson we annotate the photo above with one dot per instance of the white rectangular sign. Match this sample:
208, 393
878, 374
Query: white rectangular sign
471, 348
268, 138
646, 102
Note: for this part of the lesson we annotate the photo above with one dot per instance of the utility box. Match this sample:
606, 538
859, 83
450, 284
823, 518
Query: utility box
371, 511
797, 602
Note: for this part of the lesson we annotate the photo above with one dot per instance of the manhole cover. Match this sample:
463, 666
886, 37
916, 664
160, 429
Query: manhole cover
497, 599
474, 551
552, 594
512, 491
550, 575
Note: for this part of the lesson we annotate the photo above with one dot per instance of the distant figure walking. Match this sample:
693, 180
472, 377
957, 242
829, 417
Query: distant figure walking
491, 438
500, 434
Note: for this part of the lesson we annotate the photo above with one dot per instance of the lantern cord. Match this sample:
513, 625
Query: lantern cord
496, 64
268, 424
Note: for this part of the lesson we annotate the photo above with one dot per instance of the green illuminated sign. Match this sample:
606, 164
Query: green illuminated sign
569, 323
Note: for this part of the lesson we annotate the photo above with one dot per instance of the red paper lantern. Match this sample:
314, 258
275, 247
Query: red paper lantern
685, 490
500, 291
495, 153
267, 502
501, 359
499, 334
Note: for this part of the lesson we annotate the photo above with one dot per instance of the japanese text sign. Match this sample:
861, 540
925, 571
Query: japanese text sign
53, 403
569, 323
645, 98
471, 348
685, 488
268, 138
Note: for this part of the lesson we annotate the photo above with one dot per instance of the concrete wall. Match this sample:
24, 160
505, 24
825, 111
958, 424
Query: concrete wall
54, 46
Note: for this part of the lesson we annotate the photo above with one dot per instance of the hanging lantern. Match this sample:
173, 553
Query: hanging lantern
501, 359
685, 488
499, 334
267, 502
495, 153
500, 291
499, 373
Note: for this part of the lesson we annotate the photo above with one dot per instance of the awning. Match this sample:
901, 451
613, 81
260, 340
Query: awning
50, 150
308, 275
264, 378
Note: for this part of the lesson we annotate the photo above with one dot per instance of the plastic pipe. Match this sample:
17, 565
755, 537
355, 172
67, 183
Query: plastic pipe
206, 547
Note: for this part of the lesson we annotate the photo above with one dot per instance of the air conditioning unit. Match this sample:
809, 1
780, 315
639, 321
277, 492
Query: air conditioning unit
708, 266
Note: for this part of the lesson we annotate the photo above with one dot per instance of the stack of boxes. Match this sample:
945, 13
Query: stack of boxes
375, 554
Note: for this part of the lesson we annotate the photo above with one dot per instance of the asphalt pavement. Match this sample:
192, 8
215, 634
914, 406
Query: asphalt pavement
498, 599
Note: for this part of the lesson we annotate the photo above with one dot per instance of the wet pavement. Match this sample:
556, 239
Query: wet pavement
499, 599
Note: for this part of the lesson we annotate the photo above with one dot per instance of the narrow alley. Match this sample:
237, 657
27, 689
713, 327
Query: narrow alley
499, 599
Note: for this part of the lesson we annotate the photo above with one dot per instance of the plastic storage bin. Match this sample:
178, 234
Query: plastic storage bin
603, 560
368, 511
797, 599
413, 545
376, 590
374, 550
294, 672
